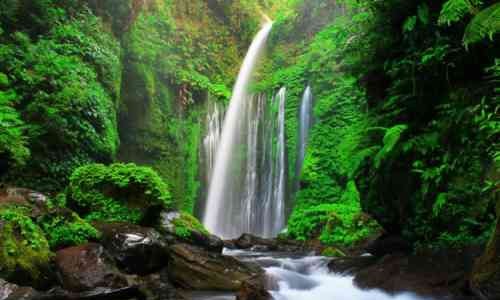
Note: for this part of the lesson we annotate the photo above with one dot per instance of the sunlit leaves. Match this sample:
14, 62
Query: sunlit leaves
484, 25
454, 10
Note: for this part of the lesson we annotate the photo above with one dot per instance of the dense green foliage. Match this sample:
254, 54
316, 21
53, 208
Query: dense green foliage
64, 228
405, 114
406, 130
63, 83
119, 192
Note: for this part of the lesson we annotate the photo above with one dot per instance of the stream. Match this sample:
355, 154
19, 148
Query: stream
303, 277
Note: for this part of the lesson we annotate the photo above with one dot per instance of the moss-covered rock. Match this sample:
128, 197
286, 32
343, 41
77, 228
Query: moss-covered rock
186, 228
485, 279
64, 228
119, 192
24, 251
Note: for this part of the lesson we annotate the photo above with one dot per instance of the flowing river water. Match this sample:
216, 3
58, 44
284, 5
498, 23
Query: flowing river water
303, 277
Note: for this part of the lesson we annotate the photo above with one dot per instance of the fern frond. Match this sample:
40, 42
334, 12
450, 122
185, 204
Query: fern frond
454, 10
360, 156
391, 138
485, 24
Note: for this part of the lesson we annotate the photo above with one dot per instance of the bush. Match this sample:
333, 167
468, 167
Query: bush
65, 228
340, 223
119, 192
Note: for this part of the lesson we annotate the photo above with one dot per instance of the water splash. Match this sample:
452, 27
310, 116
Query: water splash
225, 179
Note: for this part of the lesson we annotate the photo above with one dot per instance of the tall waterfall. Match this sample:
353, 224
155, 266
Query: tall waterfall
215, 117
223, 208
305, 124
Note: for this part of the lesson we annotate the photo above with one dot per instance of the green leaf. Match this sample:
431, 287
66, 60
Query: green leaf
423, 13
485, 24
454, 10
409, 24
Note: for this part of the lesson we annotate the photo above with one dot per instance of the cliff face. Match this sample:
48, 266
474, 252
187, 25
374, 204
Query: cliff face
127, 80
175, 55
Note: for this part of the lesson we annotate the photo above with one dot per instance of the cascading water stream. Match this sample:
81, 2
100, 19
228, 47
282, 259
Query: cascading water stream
220, 209
305, 124
276, 206
308, 278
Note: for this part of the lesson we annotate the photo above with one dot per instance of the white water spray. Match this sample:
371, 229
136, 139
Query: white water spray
217, 206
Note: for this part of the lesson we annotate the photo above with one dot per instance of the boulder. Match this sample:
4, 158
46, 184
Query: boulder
253, 289
193, 268
183, 227
35, 201
485, 278
136, 249
25, 255
439, 274
247, 241
10, 291
100, 293
350, 265
86, 267
157, 286
387, 244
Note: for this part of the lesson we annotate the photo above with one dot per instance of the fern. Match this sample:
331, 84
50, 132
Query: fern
439, 204
454, 10
485, 24
391, 138
360, 156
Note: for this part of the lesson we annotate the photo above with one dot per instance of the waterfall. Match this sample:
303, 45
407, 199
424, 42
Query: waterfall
305, 124
212, 126
215, 115
278, 220
222, 213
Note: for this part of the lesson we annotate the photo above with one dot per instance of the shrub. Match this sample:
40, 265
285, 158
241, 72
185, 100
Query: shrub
119, 192
65, 228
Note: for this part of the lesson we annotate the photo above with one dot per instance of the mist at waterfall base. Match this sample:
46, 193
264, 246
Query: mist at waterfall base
248, 180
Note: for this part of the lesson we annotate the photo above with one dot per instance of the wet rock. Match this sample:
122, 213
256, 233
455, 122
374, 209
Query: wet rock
437, 274
251, 242
127, 293
193, 268
350, 265
248, 241
485, 279
181, 227
158, 287
387, 244
253, 289
36, 201
86, 267
10, 291
136, 249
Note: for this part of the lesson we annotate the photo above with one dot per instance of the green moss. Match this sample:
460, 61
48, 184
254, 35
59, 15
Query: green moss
64, 228
119, 192
332, 252
24, 251
186, 224
4, 81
